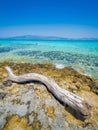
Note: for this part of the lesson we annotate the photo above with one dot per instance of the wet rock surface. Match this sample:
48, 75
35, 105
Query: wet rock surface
31, 106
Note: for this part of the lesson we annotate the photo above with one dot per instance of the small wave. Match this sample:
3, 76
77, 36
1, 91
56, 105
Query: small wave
83, 72
59, 66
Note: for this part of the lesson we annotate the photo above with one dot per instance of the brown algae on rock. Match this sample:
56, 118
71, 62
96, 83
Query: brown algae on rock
15, 90
36, 124
39, 93
50, 111
16, 123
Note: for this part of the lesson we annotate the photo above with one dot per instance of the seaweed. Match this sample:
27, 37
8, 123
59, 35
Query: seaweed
5, 49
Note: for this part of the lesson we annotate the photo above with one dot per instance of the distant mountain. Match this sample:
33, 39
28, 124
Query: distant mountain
33, 37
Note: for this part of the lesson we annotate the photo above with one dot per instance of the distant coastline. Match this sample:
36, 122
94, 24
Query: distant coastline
34, 37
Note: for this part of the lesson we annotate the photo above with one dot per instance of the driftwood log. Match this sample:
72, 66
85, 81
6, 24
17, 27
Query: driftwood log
77, 103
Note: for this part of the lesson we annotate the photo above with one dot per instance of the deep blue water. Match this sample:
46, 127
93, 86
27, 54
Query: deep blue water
81, 55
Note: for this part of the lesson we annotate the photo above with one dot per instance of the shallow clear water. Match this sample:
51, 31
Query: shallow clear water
81, 55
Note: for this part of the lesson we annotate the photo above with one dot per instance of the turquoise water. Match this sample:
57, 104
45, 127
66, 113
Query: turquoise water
80, 55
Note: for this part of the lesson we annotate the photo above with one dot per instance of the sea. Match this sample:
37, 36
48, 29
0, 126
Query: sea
81, 55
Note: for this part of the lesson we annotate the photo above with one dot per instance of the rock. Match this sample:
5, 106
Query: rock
91, 127
1, 86
2, 95
59, 124
31, 107
2, 122
73, 127
7, 83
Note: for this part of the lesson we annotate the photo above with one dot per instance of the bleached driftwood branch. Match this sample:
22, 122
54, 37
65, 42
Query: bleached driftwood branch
75, 102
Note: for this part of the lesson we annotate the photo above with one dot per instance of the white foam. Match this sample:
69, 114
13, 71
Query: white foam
59, 66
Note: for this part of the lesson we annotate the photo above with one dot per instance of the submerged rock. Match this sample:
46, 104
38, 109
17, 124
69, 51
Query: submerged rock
5, 49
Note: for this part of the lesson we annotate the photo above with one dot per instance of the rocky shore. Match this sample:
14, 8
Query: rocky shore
30, 106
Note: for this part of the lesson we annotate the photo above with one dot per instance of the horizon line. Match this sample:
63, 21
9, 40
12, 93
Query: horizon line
48, 36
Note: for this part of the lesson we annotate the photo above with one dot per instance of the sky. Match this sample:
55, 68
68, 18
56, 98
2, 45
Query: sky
64, 18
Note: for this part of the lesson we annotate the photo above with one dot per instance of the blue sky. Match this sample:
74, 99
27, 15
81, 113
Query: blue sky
65, 18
